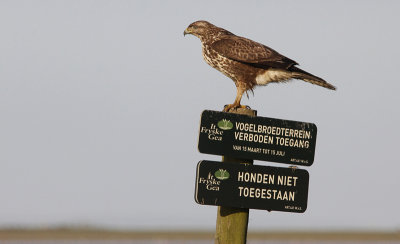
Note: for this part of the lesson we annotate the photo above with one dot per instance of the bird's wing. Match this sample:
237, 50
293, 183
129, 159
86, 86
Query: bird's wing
250, 52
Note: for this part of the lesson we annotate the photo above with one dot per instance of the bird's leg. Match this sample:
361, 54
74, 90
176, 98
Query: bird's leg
236, 103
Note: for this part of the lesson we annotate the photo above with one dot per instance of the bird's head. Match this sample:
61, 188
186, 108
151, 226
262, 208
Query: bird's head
198, 28
203, 30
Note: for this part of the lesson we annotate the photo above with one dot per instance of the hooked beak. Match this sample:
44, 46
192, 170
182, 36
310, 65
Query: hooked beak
187, 31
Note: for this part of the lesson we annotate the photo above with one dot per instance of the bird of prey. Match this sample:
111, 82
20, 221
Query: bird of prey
246, 62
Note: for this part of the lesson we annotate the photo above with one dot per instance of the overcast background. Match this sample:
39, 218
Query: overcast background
100, 103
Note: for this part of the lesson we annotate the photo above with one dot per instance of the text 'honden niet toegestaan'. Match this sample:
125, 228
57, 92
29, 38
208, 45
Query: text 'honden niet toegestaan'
267, 179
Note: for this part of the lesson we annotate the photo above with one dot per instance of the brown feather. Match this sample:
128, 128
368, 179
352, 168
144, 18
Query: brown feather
250, 52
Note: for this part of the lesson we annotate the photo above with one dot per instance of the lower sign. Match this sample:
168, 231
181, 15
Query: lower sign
251, 186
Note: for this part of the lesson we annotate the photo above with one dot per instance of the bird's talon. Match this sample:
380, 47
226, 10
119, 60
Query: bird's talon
235, 107
228, 107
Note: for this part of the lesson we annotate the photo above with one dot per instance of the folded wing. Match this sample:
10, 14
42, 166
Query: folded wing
252, 53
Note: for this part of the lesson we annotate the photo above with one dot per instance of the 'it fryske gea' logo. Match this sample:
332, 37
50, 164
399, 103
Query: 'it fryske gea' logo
215, 133
212, 184
222, 174
225, 124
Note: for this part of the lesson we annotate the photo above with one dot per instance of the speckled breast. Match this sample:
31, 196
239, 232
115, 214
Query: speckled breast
219, 62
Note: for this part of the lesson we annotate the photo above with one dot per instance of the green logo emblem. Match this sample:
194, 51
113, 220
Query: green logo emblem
225, 124
221, 174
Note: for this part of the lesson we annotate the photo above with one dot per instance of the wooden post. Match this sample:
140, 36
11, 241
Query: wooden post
232, 222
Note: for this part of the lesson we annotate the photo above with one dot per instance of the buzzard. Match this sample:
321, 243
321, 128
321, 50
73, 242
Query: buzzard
246, 62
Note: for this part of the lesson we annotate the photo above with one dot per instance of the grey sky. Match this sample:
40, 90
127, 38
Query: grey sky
100, 103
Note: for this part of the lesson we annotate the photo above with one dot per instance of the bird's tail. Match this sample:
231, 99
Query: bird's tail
303, 75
